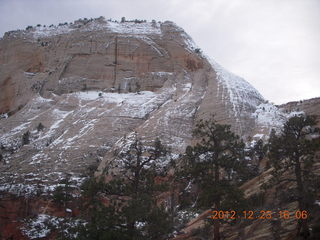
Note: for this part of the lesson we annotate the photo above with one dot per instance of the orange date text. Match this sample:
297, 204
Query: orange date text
262, 214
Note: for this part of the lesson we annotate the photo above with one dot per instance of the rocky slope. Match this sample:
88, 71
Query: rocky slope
93, 84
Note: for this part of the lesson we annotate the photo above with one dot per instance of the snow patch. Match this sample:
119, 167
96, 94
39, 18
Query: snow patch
258, 136
43, 224
132, 98
42, 32
134, 28
268, 115
241, 93
295, 113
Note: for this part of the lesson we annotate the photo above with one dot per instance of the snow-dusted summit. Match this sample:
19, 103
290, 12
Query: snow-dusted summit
79, 90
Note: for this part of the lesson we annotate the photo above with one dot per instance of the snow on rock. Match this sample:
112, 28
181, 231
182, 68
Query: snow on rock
134, 28
36, 184
4, 115
258, 136
38, 158
16, 130
241, 94
190, 44
68, 210
19, 189
38, 227
39, 99
185, 216
268, 115
42, 32
59, 117
143, 28
162, 74
125, 143
88, 96
131, 98
43, 225
150, 42
295, 113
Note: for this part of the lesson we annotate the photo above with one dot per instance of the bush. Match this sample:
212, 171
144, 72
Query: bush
29, 27
40, 127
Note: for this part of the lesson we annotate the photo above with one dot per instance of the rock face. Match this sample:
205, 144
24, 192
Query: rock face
94, 83
310, 107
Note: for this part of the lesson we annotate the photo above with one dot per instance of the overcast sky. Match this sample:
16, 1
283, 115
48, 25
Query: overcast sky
273, 44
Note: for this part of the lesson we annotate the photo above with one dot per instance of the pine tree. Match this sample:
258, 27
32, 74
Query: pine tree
140, 162
293, 151
213, 164
26, 138
132, 212
63, 193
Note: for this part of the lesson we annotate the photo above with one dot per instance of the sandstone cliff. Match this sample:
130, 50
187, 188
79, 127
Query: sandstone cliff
93, 82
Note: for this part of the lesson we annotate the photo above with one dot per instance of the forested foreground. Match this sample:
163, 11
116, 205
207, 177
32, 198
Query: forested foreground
210, 182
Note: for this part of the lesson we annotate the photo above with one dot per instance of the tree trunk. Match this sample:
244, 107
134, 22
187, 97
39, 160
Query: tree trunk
302, 228
216, 223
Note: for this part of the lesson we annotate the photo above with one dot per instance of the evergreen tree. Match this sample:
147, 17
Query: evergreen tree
26, 138
63, 193
215, 164
141, 163
132, 211
293, 151
259, 150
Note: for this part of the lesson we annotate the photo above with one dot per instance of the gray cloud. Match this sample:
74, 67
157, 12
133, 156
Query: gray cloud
273, 44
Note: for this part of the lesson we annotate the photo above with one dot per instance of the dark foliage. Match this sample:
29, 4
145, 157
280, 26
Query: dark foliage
292, 155
26, 138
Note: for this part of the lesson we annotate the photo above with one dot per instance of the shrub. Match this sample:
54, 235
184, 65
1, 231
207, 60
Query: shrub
40, 127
